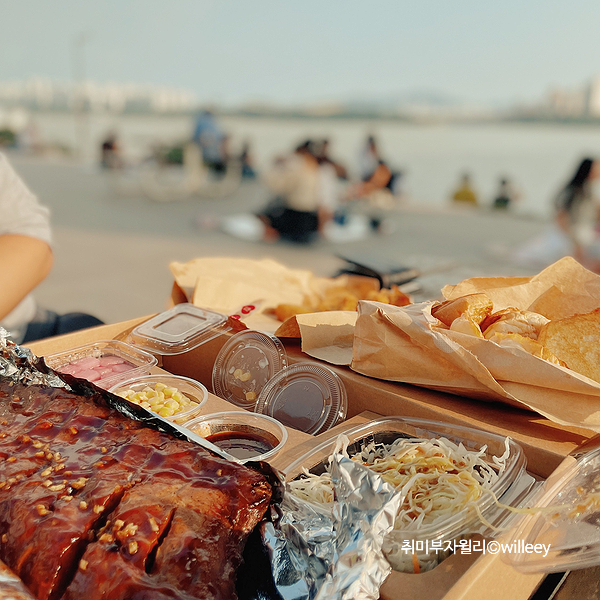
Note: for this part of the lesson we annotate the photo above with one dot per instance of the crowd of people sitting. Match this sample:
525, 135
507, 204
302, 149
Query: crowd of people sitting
311, 189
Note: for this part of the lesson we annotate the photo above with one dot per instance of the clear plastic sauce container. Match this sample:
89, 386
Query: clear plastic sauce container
245, 364
178, 330
305, 396
244, 435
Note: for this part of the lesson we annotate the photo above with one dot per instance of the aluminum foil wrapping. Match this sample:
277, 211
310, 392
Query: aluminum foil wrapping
319, 553
21, 365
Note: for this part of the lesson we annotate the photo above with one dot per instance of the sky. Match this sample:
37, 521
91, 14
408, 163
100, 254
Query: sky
283, 52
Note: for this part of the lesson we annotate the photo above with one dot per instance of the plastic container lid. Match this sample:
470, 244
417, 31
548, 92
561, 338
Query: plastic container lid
91, 362
191, 388
572, 530
305, 396
245, 364
249, 425
179, 329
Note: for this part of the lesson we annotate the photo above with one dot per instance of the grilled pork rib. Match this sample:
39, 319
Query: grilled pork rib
96, 505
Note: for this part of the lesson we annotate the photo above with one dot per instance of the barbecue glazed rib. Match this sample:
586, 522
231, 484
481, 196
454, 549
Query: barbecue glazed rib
96, 505
11, 587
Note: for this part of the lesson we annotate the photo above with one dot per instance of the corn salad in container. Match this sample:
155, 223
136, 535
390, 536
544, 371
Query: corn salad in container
175, 398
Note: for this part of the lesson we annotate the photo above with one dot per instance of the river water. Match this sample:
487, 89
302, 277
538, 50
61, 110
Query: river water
537, 158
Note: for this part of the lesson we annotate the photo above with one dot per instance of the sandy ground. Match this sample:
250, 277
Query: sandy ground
113, 246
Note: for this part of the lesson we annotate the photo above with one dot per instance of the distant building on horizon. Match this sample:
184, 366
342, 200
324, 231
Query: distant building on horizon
593, 97
40, 93
581, 102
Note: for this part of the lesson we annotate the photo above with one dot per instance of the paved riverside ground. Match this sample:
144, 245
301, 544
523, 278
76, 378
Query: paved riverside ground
113, 246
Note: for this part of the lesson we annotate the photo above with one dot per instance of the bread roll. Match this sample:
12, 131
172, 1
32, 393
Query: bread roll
289, 329
394, 296
511, 320
576, 341
535, 348
475, 306
284, 311
464, 324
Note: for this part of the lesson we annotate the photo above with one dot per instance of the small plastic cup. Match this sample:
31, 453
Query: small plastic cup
191, 388
246, 436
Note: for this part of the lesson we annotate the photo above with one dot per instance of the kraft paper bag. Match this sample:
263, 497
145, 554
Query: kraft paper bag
251, 289
406, 344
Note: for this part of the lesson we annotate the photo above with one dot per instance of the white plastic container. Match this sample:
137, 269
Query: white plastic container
568, 522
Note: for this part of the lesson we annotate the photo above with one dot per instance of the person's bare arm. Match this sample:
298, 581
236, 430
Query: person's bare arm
378, 181
24, 263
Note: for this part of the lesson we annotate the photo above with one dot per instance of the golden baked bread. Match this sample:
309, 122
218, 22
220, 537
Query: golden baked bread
337, 299
285, 311
475, 306
531, 346
576, 341
512, 320
394, 295
464, 324
289, 329
344, 298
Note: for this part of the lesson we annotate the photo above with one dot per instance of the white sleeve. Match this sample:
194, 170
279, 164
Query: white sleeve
20, 211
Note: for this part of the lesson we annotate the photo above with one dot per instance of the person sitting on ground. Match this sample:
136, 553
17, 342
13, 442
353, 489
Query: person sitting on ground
377, 179
322, 154
378, 184
506, 195
110, 152
248, 170
465, 194
25, 260
333, 175
296, 213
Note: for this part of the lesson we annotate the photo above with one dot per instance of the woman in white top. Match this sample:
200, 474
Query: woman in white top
296, 214
25, 260
25, 253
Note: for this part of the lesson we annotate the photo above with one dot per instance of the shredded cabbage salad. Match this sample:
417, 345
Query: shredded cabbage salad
437, 478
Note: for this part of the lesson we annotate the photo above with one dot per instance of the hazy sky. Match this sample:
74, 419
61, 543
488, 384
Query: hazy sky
283, 51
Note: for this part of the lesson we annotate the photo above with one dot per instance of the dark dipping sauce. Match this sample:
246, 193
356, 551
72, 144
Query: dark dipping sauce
243, 444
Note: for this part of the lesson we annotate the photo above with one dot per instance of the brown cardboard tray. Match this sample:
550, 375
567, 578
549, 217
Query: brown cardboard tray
463, 577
